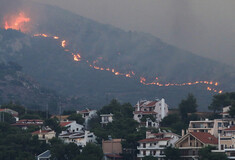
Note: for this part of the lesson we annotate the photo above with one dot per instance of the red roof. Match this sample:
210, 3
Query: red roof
145, 112
230, 129
154, 140
63, 124
153, 103
42, 131
204, 137
30, 120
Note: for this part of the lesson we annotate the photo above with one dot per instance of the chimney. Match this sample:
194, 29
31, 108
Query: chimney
182, 132
163, 108
148, 133
138, 106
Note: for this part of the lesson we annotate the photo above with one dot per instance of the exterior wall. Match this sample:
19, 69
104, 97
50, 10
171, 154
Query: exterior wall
154, 149
112, 146
106, 118
160, 107
190, 141
213, 127
46, 136
74, 127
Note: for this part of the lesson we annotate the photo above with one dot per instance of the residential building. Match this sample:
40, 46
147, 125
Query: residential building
213, 127
79, 138
61, 117
157, 109
225, 113
112, 149
226, 142
45, 134
71, 126
190, 143
25, 123
87, 114
12, 112
155, 143
106, 118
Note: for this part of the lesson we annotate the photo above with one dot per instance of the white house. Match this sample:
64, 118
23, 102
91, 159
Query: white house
71, 126
155, 143
157, 108
87, 114
79, 138
106, 118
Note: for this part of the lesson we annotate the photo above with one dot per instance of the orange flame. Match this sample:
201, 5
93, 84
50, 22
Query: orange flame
63, 43
77, 57
17, 22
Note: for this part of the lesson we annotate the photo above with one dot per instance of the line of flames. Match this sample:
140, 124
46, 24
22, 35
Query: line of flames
77, 57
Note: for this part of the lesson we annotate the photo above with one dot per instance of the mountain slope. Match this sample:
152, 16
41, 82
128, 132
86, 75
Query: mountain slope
46, 61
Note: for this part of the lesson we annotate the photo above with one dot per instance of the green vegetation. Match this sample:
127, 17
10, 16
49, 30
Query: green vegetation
16, 144
172, 153
177, 122
206, 154
221, 100
77, 117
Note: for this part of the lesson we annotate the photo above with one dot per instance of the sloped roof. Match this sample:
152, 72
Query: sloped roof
42, 131
154, 140
46, 154
230, 129
152, 103
204, 137
63, 124
145, 112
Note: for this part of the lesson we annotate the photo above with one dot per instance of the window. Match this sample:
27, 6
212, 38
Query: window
144, 152
144, 145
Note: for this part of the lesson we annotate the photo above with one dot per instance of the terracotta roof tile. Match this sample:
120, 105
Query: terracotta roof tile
204, 137
153, 103
154, 140
63, 124
42, 131
230, 129
145, 112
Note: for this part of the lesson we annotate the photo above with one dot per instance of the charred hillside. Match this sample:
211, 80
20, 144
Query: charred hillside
105, 46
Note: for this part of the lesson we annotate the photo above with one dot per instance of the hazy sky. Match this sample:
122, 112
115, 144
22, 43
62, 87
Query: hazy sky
205, 27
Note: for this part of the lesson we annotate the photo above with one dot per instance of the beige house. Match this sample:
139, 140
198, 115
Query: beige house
190, 143
214, 127
227, 142
45, 134
112, 148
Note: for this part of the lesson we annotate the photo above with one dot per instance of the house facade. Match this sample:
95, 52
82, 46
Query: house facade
71, 126
79, 138
112, 149
106, 118
214, 127
157, 109
25, 123
87, 114
190, 144
45, 135
155, 143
